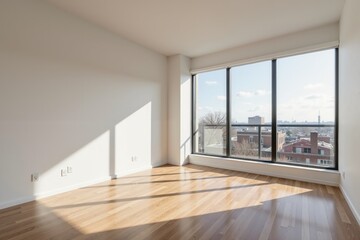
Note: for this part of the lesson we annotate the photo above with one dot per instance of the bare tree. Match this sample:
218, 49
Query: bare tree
214, 118
245, 148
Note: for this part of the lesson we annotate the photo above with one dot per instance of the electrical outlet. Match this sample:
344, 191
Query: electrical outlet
69, 169
343, 174
63, 172
34, 177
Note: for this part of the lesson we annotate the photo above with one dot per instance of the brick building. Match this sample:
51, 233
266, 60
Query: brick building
316, 150
252, 136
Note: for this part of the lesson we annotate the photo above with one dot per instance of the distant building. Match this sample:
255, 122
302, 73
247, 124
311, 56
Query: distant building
256, 120
252, 136
316, 150
324, 139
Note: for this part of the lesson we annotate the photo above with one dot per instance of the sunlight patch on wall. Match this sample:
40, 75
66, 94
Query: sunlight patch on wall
133, 141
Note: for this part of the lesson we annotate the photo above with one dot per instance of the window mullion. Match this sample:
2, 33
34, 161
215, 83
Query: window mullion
336, 131
273, 112
193, 113
228, 113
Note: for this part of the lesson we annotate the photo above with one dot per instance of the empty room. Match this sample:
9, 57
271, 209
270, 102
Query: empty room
180, 119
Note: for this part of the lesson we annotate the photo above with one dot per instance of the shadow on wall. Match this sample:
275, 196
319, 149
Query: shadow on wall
117, 151
73, 95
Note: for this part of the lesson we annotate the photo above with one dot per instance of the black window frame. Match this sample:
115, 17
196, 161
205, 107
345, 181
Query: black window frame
307, 150
274, 123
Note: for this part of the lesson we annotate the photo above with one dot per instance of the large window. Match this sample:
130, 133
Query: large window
283, 110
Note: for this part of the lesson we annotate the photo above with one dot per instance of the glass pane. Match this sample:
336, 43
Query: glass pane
306, 108
210, 111
251, 111
246, 143
306, 88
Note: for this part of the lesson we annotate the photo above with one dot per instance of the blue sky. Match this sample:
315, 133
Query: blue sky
305, 87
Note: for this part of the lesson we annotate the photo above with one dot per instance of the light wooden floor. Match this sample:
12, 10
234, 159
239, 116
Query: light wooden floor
191, 202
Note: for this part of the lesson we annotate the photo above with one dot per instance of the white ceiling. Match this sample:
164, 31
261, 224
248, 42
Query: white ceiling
198, 27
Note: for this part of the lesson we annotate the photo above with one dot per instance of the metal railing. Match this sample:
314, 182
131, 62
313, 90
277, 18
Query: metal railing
259, 133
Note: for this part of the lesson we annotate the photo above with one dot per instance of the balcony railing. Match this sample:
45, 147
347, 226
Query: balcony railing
254, 142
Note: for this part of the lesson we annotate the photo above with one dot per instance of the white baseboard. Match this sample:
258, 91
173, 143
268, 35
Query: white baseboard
71, 187
158, 164
351, 205
17, 201
37, 196
135, 170
299, 173
40, 195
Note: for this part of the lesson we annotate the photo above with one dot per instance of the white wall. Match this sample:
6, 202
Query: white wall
299, 42
72, 94
179, 109
185, 110
349, 98
173, 76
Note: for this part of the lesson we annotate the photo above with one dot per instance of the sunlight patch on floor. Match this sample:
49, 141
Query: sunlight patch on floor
167, 203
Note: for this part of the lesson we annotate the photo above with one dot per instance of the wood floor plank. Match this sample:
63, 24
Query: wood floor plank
188, 202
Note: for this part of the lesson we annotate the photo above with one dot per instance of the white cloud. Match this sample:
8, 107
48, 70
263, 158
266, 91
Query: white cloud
307, 108
211, 82
254, 109
309, 101
246, 103
313, 86
314, 97
244, 94
259, 92
221, 98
